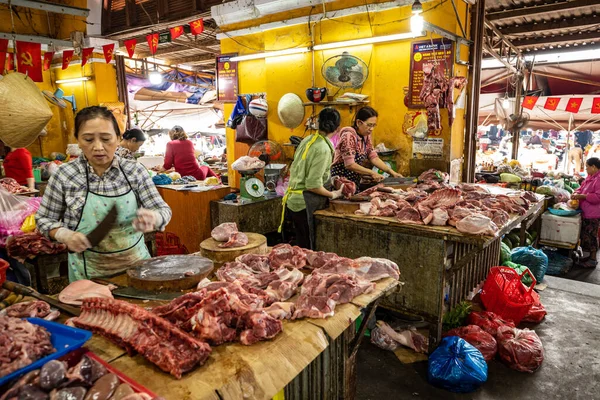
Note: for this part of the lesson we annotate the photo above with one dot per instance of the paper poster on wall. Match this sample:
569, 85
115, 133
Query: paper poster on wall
428, 149
440, 50
227, 78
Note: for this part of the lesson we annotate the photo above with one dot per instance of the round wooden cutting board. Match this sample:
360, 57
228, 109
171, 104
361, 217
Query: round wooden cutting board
209, 248
169, 273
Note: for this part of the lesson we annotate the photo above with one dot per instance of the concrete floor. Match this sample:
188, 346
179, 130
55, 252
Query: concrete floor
571, 368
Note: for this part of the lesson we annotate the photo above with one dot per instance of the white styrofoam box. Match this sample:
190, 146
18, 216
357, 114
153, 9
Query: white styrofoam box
560, 230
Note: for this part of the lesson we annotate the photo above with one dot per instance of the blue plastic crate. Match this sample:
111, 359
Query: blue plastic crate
64, 339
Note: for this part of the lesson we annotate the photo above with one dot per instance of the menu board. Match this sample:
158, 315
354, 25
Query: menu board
227, 78
441, 50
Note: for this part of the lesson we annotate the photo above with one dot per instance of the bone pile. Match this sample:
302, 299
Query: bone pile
470, 208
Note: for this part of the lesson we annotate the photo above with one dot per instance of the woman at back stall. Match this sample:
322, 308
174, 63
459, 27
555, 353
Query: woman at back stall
81, 194
180, 155
588, 196
354, 151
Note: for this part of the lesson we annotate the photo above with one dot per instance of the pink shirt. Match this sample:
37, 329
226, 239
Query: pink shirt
180, 154
351, 144
591, 205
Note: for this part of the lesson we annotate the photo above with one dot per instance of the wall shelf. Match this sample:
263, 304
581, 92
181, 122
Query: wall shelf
337, 103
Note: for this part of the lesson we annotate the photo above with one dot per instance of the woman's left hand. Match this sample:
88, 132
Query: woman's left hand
395, 174
578, 197
146, 220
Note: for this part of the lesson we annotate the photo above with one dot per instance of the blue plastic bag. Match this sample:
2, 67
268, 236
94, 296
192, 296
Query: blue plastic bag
457, 366
534, 259
558, 264
237, 114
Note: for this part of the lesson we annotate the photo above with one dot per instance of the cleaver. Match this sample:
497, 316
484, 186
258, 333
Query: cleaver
100, 232
133, 293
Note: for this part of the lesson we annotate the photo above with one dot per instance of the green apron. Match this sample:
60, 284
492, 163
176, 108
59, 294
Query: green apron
120, 248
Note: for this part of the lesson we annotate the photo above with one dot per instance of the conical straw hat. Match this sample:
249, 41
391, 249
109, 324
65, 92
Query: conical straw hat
290, 110
24, 111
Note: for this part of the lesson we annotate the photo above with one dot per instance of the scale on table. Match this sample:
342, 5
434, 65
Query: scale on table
251, 188
272, 154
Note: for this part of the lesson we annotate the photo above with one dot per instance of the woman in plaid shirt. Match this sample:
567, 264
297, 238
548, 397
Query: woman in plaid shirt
81, 193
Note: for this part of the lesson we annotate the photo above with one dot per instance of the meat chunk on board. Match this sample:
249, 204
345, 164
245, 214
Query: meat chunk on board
223, 232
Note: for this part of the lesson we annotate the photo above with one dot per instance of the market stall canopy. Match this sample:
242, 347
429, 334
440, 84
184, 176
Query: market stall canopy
541, 118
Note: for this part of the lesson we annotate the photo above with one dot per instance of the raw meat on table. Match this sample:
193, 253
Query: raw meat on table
21, 343
442, 198
139, 330
30, 309
257, 262
477, 224
82, 289
409, 215
425, 212
257, 326
434, 175
317, 259
223, 232
308, 306
284, 255
349, 186
281, 310
285, 285
374, 269
341, 288
440, 217
237, 239
30, 245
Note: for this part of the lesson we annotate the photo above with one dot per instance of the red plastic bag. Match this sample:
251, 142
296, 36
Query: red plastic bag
537, 312
520, 349
488, 321
480, 339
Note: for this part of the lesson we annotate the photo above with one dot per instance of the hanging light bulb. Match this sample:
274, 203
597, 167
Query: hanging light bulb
505, 102
416, 21
155, 78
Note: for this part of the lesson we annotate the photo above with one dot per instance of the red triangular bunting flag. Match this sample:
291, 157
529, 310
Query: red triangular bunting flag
29, 60
574, 104
67, 56
48, 60
552, 103
176, 32
130, 46
108, 52
529, 102
152, 42
596, 105
197, 27
86, 55
3, 49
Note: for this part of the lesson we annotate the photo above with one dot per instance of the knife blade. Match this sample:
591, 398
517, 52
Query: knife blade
100, 231
27, 291
133, 293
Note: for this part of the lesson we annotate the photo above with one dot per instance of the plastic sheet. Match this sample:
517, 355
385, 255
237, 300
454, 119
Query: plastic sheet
13, 211
457, 366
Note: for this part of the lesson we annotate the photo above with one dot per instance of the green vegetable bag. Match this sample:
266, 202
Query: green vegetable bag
520, 269
504, 253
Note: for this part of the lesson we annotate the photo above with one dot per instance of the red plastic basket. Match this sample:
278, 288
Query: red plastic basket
504, 294
3, 267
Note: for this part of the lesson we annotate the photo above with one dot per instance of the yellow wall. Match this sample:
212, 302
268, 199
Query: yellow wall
389, 71
60, 127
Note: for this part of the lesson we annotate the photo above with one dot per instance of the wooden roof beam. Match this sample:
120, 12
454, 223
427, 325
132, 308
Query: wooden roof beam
539, 10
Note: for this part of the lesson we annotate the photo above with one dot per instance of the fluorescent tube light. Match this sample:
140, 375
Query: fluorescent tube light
73, 80
256, 56
371, 40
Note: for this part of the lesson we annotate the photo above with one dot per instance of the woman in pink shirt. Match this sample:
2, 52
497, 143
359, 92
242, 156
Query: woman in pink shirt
180, 155
589, 202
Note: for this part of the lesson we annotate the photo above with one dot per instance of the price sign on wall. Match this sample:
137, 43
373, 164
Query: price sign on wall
227, 78
441, 50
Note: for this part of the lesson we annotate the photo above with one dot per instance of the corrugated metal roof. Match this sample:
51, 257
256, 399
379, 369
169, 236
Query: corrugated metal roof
535, 25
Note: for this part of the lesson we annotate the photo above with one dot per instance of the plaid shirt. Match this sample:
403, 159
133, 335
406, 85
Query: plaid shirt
64, 198
125, 153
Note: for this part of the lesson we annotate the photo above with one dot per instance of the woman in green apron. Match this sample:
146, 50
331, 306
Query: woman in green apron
355, 150
82, 192
308, 175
